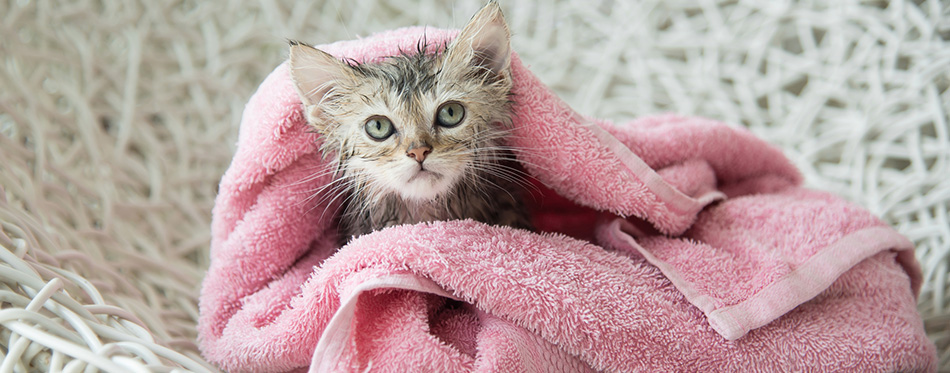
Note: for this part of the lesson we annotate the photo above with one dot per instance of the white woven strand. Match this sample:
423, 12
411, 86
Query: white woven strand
82, 340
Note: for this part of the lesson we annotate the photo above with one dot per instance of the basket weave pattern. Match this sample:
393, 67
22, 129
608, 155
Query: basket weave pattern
118, 118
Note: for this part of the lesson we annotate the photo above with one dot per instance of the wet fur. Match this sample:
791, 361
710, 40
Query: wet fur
479, 177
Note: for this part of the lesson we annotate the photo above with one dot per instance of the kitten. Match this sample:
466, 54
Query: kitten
419, 137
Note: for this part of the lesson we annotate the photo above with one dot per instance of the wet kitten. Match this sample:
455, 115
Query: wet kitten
418, 137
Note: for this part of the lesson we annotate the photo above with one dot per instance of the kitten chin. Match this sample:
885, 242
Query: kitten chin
426, 186
419, 137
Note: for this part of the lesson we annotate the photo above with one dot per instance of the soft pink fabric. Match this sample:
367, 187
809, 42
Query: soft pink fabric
668, 244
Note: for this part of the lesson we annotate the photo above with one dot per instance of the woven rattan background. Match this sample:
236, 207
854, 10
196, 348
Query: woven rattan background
117, 118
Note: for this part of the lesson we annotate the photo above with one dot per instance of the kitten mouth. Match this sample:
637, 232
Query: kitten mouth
424, 174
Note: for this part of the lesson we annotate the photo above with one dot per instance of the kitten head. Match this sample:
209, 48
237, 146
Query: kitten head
412, 125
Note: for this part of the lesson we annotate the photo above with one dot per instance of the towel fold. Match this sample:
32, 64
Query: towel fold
668, 243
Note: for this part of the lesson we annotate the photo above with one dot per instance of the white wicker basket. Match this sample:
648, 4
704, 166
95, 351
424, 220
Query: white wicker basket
118, 118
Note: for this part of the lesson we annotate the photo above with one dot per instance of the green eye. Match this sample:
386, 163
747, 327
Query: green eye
450, 114
379, 128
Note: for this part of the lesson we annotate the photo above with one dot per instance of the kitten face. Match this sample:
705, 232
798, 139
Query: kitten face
412, 125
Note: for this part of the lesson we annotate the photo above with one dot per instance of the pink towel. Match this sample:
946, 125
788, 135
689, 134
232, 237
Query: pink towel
668, 244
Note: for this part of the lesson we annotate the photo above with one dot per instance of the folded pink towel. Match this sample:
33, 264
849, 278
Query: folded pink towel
669, 244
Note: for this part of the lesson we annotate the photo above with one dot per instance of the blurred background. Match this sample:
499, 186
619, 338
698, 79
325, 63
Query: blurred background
117, 119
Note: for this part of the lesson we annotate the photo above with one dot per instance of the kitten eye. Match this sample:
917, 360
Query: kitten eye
450, 114
379, 128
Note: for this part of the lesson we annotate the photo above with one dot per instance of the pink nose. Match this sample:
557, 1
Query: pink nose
419, 153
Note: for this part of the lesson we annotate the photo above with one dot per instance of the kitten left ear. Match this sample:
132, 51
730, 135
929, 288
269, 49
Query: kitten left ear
484, 42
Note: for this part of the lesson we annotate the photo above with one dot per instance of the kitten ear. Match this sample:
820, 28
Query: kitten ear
313, 71
484, 42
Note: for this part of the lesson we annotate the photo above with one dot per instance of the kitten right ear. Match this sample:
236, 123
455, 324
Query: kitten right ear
484, 42
313, 71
